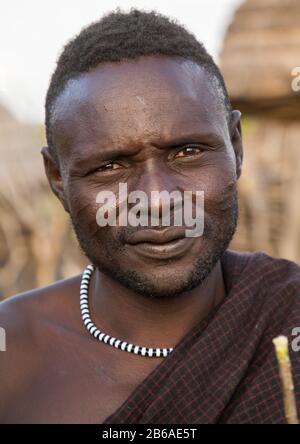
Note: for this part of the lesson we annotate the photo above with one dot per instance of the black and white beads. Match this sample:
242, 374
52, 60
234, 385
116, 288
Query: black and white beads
101, 336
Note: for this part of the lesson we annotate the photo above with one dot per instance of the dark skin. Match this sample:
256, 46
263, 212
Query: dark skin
146, 112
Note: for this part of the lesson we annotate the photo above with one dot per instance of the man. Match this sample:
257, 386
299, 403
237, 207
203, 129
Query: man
135, 99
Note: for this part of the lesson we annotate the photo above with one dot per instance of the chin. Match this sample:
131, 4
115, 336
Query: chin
166, 283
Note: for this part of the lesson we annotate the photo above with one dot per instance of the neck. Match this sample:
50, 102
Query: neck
128, 316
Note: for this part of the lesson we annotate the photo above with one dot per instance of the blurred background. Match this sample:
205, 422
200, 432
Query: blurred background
257, 45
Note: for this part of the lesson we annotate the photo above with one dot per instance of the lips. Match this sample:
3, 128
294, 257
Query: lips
161, 243
158, 236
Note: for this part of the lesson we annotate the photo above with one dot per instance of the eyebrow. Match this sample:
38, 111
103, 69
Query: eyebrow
190, 138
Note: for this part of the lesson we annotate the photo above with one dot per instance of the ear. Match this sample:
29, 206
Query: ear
236, 139
54, 176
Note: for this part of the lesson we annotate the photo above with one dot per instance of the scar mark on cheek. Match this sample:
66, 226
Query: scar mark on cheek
141, 100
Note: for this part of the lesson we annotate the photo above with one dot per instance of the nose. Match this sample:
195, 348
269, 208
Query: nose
157, 181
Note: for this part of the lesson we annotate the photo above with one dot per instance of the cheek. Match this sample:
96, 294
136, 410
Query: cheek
82, 202
219, 185
84, 207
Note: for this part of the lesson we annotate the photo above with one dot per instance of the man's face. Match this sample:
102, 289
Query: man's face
156, 123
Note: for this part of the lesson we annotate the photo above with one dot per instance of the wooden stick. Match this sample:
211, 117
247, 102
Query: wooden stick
282, 353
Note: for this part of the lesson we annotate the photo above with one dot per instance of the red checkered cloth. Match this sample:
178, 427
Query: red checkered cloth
224, 370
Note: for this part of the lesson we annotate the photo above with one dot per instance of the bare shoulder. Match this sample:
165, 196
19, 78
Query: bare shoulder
28, 321
42, 301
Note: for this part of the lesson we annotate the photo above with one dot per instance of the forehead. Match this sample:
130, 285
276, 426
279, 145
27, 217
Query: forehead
148, 98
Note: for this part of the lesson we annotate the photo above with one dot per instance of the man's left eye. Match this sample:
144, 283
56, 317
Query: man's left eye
188, 151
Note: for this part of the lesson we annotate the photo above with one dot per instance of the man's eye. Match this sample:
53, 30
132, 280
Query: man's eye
188, 151
112, 166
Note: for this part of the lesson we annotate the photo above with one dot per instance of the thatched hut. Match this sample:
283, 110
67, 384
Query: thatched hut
261, 50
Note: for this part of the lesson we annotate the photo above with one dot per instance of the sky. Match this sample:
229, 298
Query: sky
33, 32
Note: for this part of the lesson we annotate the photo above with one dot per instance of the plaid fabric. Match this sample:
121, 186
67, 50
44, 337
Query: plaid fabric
224, 370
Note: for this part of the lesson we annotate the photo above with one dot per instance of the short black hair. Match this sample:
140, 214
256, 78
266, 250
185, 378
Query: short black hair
119, 36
